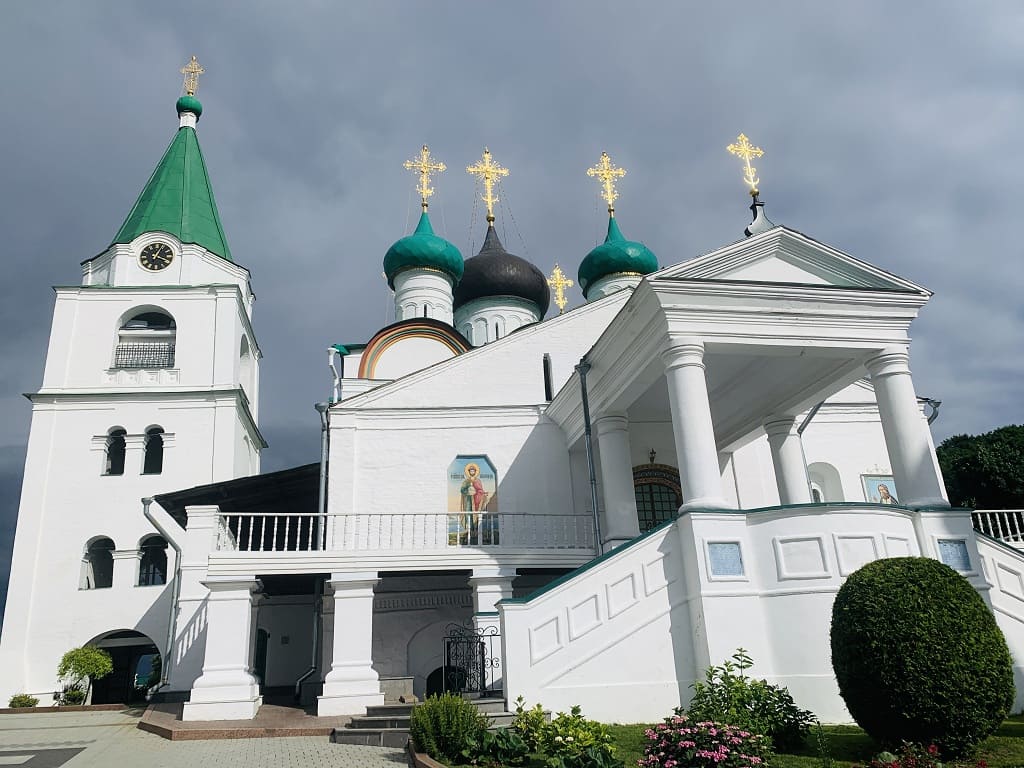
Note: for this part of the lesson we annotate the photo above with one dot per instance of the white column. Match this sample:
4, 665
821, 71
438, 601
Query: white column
489, 586
227, 689
126, 567
620, 522
914, 466
788, 459
352, 684
697, 452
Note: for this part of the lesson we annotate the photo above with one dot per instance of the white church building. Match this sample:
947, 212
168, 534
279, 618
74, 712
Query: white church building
588, 507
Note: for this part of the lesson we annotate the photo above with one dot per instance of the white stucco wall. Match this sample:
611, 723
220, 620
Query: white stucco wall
627, 636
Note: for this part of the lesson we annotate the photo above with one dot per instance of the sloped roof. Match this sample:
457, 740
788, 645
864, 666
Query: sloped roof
178, 199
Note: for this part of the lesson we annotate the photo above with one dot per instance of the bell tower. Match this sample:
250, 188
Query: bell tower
151, 384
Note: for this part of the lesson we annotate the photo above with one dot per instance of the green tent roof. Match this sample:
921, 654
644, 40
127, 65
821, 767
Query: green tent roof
178, 199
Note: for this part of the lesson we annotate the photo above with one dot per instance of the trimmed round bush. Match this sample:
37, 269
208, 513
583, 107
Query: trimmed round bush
918, 656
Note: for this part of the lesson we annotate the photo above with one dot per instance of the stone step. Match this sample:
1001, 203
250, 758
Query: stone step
389, 710
487, 706
372, 722
371, 737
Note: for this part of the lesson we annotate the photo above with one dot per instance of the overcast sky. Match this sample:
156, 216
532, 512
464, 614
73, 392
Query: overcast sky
889, 132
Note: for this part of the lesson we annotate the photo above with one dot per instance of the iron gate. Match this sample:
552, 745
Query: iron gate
472, 659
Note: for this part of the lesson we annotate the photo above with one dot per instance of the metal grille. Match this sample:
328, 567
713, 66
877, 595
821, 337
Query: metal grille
149, 354
655, 503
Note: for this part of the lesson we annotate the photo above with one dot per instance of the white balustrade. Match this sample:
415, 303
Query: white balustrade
299, 532
1003, 524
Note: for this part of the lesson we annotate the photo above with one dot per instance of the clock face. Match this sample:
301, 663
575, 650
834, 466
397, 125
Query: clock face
156, 256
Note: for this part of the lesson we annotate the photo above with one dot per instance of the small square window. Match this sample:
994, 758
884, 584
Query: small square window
725, 558
953, 552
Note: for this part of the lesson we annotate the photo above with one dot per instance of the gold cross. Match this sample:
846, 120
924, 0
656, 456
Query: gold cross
607, 173
743, 148
489, 172
559, 282
192, 71
424, 167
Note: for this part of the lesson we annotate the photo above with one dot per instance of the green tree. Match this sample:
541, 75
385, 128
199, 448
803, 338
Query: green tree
83, 665
985, 471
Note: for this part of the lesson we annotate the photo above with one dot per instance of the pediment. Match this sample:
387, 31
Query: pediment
785, 256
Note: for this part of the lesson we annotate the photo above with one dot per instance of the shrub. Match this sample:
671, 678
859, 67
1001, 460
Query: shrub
20, 700
918, 656
529, 723
79, 667
444, 726
572, 741
679, 741
727, 695
496, 748
72, 695
912, 756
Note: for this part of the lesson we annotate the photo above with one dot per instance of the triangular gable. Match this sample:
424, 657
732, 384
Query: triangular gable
782, 255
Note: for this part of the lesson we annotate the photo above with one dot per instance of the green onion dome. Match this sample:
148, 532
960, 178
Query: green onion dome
423, 250
189, 104
616, 255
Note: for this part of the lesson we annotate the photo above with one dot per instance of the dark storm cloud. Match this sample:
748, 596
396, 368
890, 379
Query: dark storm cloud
888, 133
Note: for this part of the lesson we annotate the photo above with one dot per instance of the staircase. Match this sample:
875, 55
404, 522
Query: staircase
387, 725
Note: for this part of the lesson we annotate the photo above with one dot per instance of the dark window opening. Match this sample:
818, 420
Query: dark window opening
146, 340
153, 564
153, 463
115, 452
655, 504
99, 565
547, 377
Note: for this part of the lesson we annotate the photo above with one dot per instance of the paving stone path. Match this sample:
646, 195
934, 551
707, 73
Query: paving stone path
111, 740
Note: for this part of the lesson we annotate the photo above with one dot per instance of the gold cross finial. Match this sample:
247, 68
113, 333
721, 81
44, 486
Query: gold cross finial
489, 172
559, 282
607, 173
192, 71
743, 148
424, 167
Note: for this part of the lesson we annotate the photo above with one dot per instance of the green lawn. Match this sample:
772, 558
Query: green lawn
848, 745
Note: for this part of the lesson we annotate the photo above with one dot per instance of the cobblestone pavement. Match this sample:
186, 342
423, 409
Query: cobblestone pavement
111, 740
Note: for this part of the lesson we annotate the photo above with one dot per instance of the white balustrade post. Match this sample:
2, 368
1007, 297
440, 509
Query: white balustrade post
227, 690
692, 428
914, 466
352, 684
788, 459
620, 523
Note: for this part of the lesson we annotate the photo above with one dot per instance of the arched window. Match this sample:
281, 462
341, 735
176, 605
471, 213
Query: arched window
153, 462
245, 367
114, 462
146, 340
98, 564
658, 494
153, 565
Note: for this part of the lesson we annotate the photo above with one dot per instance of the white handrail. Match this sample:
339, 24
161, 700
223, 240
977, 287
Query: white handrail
297, 531
1003, 524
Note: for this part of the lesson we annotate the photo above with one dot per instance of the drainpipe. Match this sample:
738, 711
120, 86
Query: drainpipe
321, 510
582, 369
172, 620
314, 661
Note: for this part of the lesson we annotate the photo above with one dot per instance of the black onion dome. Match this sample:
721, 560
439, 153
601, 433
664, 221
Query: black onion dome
496, 272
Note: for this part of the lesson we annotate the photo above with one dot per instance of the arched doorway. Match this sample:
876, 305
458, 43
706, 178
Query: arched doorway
136, 667
444, 679
658, 494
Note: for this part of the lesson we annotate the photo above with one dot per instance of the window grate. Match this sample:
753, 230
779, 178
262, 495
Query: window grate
149, 354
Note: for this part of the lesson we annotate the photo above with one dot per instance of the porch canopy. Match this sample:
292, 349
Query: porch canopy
736, 342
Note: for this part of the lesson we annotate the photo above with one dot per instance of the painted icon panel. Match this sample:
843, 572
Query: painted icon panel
472, 496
